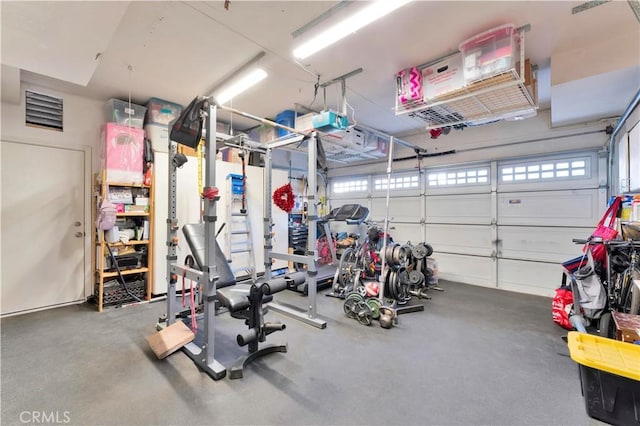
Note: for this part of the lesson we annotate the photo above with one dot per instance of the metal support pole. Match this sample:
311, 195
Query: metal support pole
210, 271
386, 221
312, 269
267, 213
202, 349
172, 234
311, 258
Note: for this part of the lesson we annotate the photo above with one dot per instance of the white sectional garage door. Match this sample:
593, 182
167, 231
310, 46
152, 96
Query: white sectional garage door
506, 224
460, 223
542, 204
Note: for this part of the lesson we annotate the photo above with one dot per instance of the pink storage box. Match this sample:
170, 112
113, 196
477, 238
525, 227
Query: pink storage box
123, 153
489, 53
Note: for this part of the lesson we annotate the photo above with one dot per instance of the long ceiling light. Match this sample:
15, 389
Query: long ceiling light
370, 13
240, 85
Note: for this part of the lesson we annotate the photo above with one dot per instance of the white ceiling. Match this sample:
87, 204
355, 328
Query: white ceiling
176, 50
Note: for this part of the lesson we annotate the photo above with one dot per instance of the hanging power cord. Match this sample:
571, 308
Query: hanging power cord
122, 281
129, 111
184, 274
194, 320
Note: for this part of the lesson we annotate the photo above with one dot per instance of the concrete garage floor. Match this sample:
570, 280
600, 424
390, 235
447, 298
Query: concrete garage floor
475, 356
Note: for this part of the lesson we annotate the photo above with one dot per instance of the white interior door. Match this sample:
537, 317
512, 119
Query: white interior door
43, 252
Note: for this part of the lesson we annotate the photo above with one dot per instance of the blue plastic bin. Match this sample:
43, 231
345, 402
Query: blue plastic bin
286, 118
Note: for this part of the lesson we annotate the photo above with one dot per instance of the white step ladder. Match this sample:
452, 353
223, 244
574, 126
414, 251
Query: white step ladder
238, 238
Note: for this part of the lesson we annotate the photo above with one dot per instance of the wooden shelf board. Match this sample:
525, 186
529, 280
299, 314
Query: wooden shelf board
130, 243
125, 214
135, 185
126, 272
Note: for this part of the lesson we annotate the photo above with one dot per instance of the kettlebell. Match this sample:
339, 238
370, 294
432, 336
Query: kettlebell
386, 317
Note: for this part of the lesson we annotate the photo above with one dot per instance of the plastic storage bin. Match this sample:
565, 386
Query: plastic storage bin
609, 376
491, 52
329, 121
286, 118
117, 111
162, 112
123, 153
237, 184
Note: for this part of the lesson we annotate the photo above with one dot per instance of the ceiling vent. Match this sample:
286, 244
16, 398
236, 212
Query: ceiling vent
43, 111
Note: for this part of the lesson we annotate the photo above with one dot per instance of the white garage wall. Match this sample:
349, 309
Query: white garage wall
82, 121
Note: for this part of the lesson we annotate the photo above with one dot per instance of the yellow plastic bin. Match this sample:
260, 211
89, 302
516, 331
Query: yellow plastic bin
610, 377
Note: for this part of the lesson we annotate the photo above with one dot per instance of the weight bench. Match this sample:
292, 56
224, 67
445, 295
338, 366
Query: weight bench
244, 301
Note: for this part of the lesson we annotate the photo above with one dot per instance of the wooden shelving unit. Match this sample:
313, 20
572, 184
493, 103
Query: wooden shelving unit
102, 246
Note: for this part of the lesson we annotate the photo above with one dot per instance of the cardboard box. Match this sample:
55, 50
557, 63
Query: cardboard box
443, 77
187, 150
305, 122
167, 341
528, 72
267, 133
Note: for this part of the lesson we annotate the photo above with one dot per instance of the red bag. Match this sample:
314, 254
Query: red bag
604, 230
561, 307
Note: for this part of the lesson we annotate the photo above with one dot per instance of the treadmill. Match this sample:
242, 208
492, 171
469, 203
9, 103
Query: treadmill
352, 214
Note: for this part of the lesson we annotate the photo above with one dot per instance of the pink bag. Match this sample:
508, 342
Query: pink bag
605, 230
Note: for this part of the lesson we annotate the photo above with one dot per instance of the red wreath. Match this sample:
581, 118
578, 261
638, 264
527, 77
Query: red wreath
283, 197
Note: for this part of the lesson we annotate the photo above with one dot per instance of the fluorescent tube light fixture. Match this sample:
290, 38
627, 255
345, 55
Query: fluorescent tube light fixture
350, 25
240, 85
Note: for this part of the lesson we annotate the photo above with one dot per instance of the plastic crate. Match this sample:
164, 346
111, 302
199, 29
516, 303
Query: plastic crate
489, 53
162, 112
237, 184
117, 111
609, 376
113, 293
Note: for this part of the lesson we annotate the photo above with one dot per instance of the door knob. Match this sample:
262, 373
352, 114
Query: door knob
79, 234
77, 223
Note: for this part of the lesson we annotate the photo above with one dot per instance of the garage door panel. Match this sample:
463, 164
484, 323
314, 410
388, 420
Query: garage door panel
466, 208
529, 277
401, 209
540, 243
550, 208
460, 239
474, 270
403, 232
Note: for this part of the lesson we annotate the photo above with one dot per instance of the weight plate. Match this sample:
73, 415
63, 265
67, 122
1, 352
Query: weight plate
429, 249
350, 307
355, 296
362, 291
419, 251
398, 288
364, 314
403, 276
404, 253
393, 285
374, 304
416, 277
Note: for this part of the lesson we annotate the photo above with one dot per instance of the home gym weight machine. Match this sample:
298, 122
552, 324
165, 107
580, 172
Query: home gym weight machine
243, 301
308, 315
